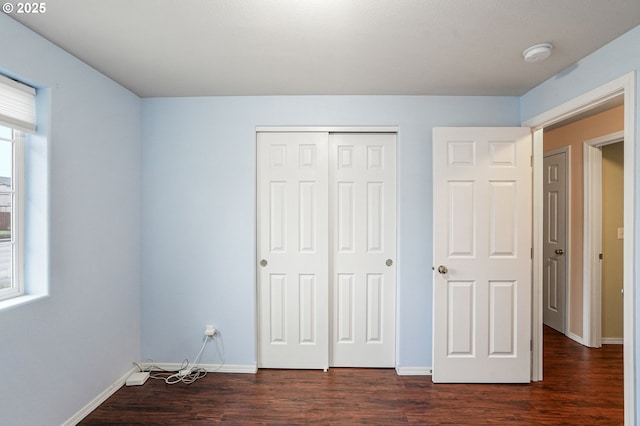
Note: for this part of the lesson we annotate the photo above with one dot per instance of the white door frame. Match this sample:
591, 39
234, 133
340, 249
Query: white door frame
592, 269
624, 85
567, 248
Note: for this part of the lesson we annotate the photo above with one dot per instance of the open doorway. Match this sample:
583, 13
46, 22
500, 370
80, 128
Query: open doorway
604, 239
573, 222
612, 243
623, 86
585, 158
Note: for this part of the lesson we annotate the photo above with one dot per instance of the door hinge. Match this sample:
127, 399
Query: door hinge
600, 256
531, 160
530, 345
532, 252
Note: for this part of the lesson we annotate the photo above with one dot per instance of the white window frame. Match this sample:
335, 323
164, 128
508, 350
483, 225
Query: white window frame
17, 218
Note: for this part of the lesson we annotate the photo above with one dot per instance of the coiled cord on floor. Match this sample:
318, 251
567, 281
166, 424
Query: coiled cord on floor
188, 372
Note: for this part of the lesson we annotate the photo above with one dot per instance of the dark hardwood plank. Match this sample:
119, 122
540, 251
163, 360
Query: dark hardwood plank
581, 386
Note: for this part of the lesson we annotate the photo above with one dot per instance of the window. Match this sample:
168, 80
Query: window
17, 115
11, 218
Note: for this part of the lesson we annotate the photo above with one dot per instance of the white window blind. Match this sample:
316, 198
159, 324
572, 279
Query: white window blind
17, 105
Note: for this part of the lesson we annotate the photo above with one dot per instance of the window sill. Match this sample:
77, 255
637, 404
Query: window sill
5, 305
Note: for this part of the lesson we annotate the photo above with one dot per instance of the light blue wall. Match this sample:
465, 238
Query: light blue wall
616, 59
60, 352
199, 209
193, 167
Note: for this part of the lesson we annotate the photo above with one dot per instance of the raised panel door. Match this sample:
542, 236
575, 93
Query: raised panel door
292, 253
362, 182
482, 254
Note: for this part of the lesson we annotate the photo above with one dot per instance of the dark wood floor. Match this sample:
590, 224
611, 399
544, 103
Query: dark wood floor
581, 387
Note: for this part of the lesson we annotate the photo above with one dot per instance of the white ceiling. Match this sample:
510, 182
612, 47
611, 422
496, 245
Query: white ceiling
330, 47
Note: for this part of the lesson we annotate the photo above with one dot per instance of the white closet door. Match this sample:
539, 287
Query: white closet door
363, 249
292, 228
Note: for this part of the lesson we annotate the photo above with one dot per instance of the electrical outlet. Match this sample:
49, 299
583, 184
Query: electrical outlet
210, 331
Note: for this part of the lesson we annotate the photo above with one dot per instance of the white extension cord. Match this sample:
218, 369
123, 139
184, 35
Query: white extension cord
189, 372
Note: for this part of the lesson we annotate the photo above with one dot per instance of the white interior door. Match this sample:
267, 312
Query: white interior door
555, 241
292, 227
363, 228
482, 254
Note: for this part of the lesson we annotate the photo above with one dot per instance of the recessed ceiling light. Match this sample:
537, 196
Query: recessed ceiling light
537, 53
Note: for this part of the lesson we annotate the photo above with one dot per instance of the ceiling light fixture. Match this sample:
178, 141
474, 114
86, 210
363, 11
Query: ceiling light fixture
537, 53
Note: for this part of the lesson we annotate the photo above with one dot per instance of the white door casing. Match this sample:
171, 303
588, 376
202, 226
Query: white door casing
362, 221
482, 236
292, 234
592, 237
555, 240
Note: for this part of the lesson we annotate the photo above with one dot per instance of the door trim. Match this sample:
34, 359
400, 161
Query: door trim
625, 85
568, 251
592, 271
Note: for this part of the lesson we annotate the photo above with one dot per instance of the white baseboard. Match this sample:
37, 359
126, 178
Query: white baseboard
210, 368
413, 371
613, 341
575, 337
104, 395
95, 402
